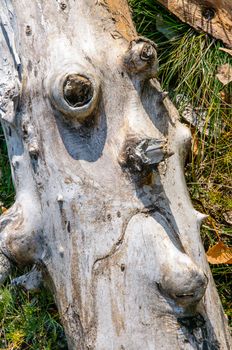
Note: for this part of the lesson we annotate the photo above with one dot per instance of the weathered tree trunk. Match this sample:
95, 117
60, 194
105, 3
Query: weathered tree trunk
102, 212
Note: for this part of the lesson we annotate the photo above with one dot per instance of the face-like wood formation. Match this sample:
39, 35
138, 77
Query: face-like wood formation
102, 210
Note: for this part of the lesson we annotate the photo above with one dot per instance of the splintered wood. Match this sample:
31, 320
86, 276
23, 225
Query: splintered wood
211, 16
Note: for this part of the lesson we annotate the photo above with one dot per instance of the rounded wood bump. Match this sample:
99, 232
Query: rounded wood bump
141, 57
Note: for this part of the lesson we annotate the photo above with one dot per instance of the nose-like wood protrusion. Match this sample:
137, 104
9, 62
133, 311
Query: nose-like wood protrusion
183, 282
165, 265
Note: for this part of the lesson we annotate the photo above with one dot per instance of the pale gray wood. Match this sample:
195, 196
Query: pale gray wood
102, 210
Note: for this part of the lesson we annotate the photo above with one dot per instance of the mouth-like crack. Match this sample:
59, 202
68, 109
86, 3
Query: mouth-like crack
185, 295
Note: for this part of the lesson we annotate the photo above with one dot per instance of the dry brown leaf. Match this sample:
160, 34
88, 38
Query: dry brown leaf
195, 146
3, 209
229, 51
195, 142
224, 74
219, 254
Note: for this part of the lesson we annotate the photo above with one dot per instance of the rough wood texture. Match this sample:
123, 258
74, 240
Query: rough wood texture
211, 16
102, 212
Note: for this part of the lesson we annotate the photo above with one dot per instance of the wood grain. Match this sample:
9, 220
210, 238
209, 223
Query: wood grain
211, 16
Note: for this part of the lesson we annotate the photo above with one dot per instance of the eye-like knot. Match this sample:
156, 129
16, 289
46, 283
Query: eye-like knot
141, 57
74, 93
148, 52
78, 90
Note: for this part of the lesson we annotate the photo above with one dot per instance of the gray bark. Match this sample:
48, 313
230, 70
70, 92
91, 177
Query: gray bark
102, 212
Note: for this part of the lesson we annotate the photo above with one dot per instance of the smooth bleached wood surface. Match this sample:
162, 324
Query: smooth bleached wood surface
102, 213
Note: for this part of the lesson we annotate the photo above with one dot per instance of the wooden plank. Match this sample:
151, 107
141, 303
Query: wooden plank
211, 16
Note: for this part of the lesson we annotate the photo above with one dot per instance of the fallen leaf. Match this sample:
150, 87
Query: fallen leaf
195, 144
219, 254
226, 97
229, 51
224, 74
3, 209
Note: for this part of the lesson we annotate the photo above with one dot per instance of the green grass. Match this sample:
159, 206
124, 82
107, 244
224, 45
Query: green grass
188, 65
6, 185
29, 321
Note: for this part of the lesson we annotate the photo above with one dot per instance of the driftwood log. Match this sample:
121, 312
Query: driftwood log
212, 16
102, 213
